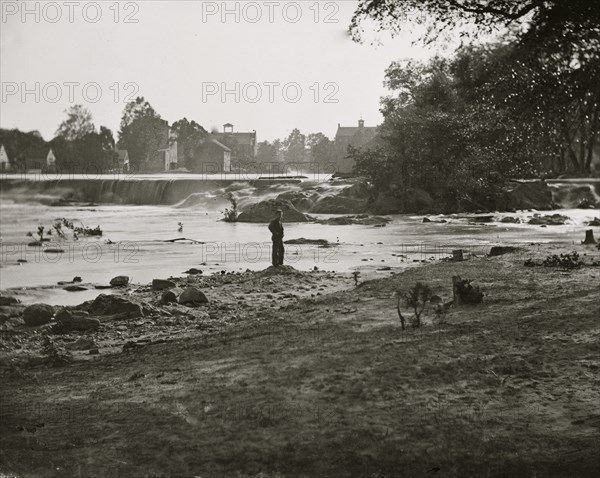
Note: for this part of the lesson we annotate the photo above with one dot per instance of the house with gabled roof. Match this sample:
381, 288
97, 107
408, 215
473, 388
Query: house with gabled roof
355, 136
243, 145
4, 161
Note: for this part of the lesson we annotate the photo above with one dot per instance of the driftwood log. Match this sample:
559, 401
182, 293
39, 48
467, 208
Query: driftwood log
464, 292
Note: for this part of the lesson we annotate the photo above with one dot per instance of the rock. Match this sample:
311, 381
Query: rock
303, 241
38, 314
119, 281
94, 351
594, 222
339, 205
362, 219
525, 195
553, 220
83, 343
299, 200
77, 279
500, 250
264, 212
168, 297
510, 220
111, 305
192, 295
192, 271
74, 288
161, 284
570, 196
68, 321
8, 300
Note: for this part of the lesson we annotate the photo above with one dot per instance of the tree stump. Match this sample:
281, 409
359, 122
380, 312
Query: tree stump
589, 237
464, 292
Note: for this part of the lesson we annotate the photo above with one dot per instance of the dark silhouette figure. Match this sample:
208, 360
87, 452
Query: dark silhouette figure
276, 228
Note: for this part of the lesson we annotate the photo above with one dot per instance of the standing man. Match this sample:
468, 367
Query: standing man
276, 229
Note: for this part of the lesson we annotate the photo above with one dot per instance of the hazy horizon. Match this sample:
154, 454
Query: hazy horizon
305, 74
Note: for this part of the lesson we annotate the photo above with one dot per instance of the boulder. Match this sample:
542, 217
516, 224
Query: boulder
572, 196
501, 250
552, 220
525, 195
119, 281
192, 295
111, 305
301, 201
303, 241
510, 220
161, 284
8, 300
264, 212
168, 297
340, 205
74, 288
15, 310
594, 222
38, 314
360, 189
362, 219
77, 320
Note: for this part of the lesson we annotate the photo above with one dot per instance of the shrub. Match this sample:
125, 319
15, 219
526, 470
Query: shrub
231, 215
564, 261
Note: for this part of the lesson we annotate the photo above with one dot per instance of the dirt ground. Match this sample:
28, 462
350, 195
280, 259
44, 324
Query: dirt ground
303, 374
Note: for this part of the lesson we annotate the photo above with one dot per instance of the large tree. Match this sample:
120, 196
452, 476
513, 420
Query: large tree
143, 134
547, 78
190, 137
295, 147
78, 124
322, 149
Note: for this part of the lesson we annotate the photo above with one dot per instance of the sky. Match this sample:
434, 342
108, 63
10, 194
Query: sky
264, 66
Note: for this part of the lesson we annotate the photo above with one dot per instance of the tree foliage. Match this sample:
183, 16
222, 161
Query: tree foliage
190, 137
542, 80
143, 134
78, 124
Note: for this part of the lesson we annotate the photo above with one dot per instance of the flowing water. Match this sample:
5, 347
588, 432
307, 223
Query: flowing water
139, 216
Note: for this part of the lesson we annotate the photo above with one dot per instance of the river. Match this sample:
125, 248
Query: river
135, 235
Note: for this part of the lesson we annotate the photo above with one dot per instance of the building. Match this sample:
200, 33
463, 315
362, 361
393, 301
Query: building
213, 157
170, 157
355, 136
243, 146
4, 161
50, 160
38, 164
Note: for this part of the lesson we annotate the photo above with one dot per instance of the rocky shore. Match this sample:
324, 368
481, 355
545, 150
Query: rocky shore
282, 373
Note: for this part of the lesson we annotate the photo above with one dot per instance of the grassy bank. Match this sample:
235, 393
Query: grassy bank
330, 385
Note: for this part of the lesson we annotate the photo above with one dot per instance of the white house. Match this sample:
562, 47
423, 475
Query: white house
50, 159
4, 162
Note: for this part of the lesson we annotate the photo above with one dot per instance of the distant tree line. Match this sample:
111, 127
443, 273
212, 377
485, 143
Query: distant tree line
79, 147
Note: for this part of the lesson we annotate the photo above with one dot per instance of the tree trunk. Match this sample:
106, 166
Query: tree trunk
589, 237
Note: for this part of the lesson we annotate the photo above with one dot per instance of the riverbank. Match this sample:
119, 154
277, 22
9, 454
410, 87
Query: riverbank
286, 373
